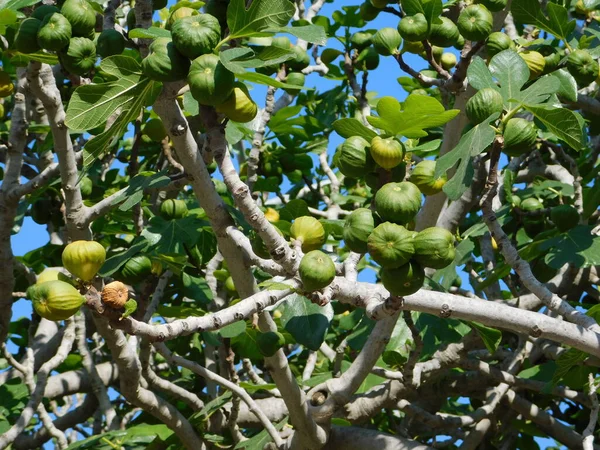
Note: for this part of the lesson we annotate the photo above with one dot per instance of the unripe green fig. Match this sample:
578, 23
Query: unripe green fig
281, 42
301, 61
296, 79
483, 104
497, 42
361, 40
391, 245
210, 82
398, 202
531, 204
316, 270
494, 5
475, 22
353, 157
403, 280
172, 209
519, 136
42, 11
26, 37
443, 33
583, 67
81, 16
448, 60
55, 32
110, 42
386, 41
414, 28
434, 247
416, 48
357, 228
136, 269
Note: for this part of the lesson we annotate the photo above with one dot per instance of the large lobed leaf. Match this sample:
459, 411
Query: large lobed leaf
420, 112
562, 122
557, 22
306, 321
91, 105
578, 247
470, 145
261, 14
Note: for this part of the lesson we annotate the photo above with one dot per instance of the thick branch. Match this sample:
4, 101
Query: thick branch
181, 327
488, 313
43, 85
191, 158
98, 387
8, 206
353, 438
130, 379
275, 243
552, 301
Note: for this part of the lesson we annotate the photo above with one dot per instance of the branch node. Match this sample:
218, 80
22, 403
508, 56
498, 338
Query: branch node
445, 311
318, 398
536, 331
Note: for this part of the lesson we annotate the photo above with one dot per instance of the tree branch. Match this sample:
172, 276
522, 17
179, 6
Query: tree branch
130, 383
190, 156
588, 433
492, 314
8, 204
43, 85
275, 243
36, 385
521, 267
98, 388
235, 389
181, 394
79, 414
182, 327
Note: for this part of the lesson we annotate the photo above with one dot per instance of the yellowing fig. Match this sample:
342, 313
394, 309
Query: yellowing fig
271, 215
239, 107
55, 300
423, 176
448, 60
535, 61
309, 231
388, 153
6, 84
83, 259
52, 275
